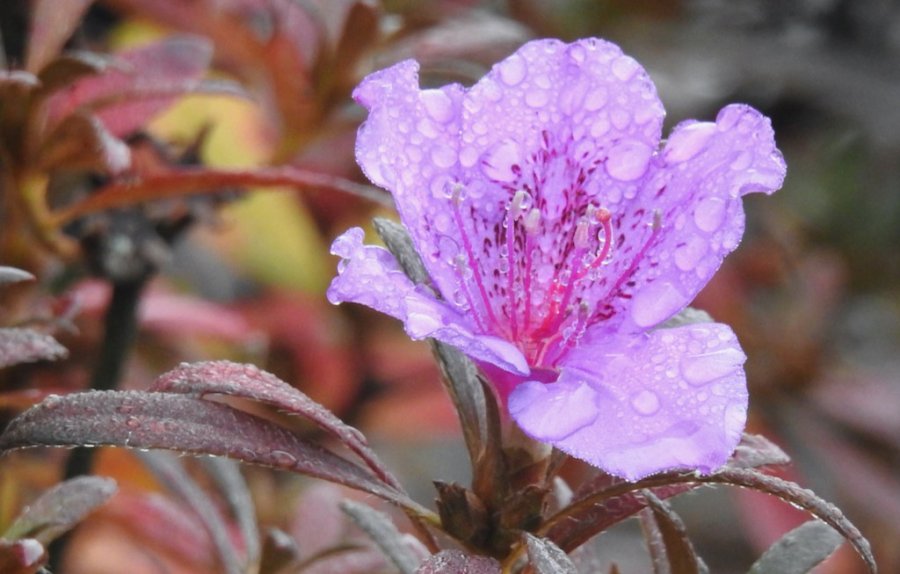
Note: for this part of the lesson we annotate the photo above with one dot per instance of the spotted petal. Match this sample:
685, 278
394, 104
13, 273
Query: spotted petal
370, 275
637, 405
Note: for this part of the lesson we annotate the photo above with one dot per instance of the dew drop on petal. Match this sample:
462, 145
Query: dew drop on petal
536, 98
687, 142
741, 161
421, 325
497, 163
625, 67
710, 214
438, 105
655, 303
628, 160
596, 99
709, 367
512, 70
687, 256
645, 403
443, 156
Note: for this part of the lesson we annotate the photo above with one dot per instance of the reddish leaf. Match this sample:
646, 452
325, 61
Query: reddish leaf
65, 70
144, 83
546, 557
26, 346
61, 508
247, 381
449, 561
664, 530
21, 556
144, 420
179, 183
52, 23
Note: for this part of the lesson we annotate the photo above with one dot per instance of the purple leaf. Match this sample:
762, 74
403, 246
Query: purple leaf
449, 561
61, 508
546, 557
249, 382
26, 346
665, 531
800, 550
52, 23
143, 420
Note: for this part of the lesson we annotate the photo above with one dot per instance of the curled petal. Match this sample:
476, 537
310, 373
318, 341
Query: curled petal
637, 405
689, 215
370, 275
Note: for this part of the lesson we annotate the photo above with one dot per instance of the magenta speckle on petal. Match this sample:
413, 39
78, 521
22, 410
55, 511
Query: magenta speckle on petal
559, 235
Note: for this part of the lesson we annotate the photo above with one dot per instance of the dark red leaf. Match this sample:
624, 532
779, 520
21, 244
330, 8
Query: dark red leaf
61, 508
137, 419
546, 557
82, 141
26, 346
52, 23
457, 561
247, 381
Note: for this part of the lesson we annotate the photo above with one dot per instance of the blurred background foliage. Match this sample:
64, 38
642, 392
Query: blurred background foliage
239, 270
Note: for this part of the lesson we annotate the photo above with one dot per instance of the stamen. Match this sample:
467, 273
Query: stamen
457, 196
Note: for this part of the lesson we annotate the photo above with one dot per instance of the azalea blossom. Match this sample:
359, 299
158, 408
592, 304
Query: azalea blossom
560, 236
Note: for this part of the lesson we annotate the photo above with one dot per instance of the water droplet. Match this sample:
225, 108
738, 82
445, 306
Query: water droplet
625, 67
708, 367
536, 98
443, 156
596, 99
421, 325
645, 403
710, 214
468, 157
688, 141
577, 53
741, 161
133, 422
498, 162
620, 118
687, 256
282, 458
438, 105
427, 128
628, 160
512, 70
655, 303
600, 127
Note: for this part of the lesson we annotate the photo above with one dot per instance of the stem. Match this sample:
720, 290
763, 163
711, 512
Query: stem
120, 331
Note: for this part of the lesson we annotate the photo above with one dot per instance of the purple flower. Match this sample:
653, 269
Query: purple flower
559, 238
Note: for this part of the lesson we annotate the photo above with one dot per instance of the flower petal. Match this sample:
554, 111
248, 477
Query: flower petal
637, 405
370, 275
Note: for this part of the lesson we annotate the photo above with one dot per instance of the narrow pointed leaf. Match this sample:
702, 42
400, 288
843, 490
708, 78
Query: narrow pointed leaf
145, 420
592, 507
400, 244
800, 550
14, 275
193, 181
383, 533
249, 382
571, 528
61, 508
231, 484
26, 346
175, 478
680, 556
546, 557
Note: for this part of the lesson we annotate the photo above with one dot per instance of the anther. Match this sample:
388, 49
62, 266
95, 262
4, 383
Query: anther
532, 221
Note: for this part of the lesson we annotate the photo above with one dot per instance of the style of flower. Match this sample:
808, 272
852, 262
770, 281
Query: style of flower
560, 238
